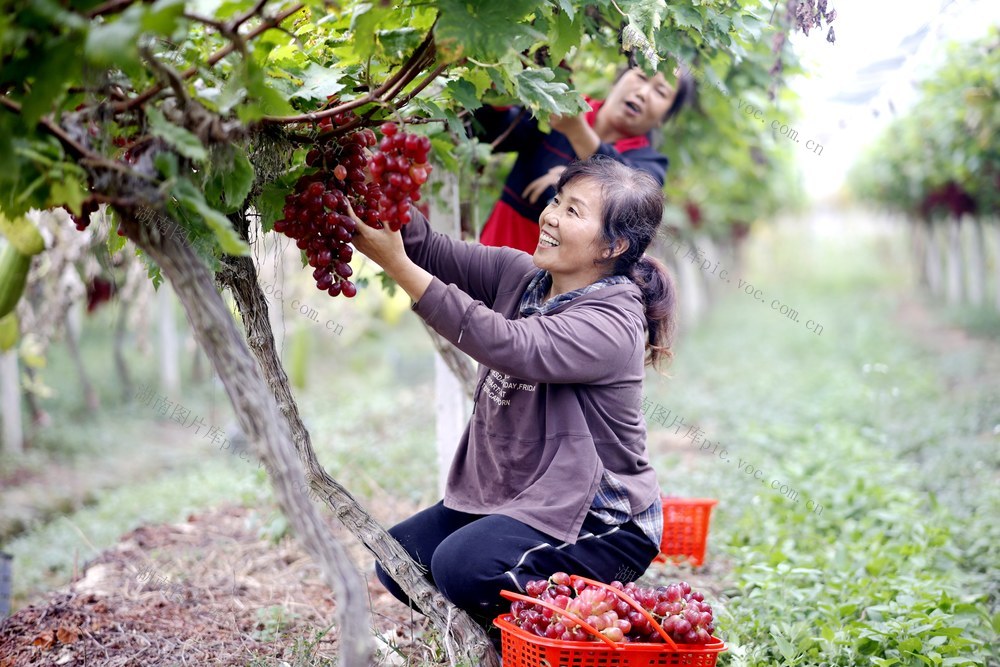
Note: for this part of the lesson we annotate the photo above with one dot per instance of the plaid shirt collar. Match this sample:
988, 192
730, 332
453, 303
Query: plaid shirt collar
532, 301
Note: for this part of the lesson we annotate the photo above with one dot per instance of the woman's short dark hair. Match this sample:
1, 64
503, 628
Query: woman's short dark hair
684, 92
631, 214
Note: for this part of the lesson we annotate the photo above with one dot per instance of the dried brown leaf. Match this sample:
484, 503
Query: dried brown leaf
44, 640
68, 635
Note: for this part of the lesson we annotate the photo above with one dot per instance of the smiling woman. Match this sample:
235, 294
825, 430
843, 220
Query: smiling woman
620, 127
552, 473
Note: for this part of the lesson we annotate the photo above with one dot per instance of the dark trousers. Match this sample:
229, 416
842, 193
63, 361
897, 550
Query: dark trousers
470, 558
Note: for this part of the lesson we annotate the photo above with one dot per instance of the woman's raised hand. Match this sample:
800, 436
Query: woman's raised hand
382, 246
538, 186
385, 248
567, 124
581, 136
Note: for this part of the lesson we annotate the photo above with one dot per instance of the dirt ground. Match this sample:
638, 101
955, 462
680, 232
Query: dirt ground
207, 591
211, 591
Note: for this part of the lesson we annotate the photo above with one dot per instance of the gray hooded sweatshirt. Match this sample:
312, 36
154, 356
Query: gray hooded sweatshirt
559, 394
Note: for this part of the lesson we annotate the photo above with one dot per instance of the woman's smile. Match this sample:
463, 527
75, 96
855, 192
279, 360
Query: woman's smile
546, 240
567, 241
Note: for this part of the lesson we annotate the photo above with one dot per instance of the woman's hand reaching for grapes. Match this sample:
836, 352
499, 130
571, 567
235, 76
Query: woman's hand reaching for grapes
581, 136
385, 248
382, 246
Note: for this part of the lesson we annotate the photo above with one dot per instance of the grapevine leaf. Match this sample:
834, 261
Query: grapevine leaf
645, 18
222, 9
748, 26
721, 22
115, 241
270, 203
387, 283
230, 180
190, 198
152, 269
479, 79
685, 16
484, 28
671, 42
566, 33
566, 7
633, 39
399, 42
115, 43
646, 15
57, 63
163, 17
166, 164
536, 88
231, 94
464, 93
364, 23
45, 13
183, 141
69, 193
443, 152
319, 82
454, 123
264, 99
498, 80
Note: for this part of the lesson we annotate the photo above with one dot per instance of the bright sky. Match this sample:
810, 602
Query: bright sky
883, 47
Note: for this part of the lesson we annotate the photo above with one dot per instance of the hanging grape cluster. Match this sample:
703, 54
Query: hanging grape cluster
378, 180
317, 212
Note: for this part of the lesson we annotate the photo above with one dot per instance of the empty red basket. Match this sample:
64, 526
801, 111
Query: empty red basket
685, 529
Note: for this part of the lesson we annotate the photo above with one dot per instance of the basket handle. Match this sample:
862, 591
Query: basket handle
562, 612
632, 603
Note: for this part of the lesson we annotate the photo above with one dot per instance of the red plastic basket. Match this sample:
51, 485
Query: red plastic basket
524, 649
685, 529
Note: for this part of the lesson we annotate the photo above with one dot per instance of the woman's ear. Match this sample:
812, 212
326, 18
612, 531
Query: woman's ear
621, 245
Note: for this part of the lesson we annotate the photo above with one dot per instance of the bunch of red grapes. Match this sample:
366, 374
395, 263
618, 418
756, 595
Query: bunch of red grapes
681, 612
400, 168
317, 212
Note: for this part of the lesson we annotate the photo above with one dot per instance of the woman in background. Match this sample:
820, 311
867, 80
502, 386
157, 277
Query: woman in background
619, 127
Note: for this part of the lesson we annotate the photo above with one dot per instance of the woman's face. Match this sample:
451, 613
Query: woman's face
568, 237
638, 102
